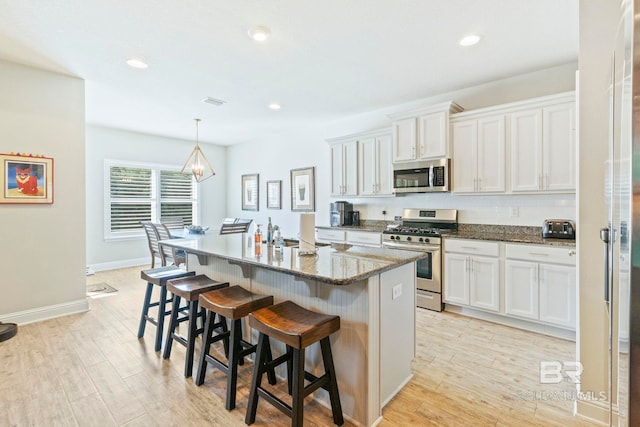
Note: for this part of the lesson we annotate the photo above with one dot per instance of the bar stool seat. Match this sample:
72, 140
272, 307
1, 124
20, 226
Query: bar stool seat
231, 303
298, 328
189, 289
158, 277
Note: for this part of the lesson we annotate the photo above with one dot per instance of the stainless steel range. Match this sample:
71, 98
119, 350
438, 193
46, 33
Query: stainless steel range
421, 230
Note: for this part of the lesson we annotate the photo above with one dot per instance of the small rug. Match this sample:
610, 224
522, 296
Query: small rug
99, 290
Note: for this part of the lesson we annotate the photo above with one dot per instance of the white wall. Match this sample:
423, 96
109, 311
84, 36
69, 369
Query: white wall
43, 246
105, 143
307, 147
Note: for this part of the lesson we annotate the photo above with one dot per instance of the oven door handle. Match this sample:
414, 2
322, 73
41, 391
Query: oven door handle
417, 248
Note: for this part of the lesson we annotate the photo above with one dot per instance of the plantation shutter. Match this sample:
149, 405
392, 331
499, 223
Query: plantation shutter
131, 192
176, 196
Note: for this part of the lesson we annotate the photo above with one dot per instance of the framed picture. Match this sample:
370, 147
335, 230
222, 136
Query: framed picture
250, 192
303, 190
274, 194
26, 179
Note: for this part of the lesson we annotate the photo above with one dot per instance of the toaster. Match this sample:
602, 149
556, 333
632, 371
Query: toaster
559, 229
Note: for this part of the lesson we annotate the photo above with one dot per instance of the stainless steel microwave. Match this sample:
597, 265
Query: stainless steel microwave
423, 176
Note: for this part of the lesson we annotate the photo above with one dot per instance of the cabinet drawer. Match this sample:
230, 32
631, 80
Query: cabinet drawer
330, 235
364, 238
541, 253
476, 247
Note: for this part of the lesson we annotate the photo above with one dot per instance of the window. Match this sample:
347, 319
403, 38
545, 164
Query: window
142, 192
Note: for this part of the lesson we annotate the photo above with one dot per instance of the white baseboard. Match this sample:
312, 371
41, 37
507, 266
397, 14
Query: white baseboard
113, 265
596, 412
513, 322
44, 313
396, 391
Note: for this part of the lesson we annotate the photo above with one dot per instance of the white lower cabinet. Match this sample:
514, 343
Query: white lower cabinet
536, 283
543, 287
354, 237
472, 274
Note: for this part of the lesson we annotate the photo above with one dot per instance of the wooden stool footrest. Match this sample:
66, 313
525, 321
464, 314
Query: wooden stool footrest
275, 401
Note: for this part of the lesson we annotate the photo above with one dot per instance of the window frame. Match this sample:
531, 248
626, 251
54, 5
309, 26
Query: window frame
155, 200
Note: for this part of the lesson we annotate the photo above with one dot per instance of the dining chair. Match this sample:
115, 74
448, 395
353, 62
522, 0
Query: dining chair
173, 222
152, 238
169, 255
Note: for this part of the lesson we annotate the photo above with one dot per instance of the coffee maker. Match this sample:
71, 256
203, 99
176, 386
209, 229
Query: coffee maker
341, 213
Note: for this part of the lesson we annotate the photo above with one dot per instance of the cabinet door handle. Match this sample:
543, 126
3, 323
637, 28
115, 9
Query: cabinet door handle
473, 248
479, 184
546, 181
538, 254
540, 181
475, 184
572, 252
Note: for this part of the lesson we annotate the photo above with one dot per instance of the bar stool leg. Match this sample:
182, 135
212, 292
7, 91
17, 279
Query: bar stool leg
234, 356
191, 336
145, 310
256, 380
162, 309
298, 387
173, 323
289, 369
206, 346
332, 387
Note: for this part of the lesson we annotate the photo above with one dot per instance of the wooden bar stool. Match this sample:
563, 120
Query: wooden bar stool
232, 303
189, 289
158, 277
298, 328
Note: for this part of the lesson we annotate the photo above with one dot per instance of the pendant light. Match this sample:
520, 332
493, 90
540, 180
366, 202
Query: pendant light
200, 166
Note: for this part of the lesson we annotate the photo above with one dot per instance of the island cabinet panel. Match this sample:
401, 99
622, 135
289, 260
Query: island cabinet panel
375, 345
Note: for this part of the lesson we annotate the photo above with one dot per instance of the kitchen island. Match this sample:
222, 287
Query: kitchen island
371, 289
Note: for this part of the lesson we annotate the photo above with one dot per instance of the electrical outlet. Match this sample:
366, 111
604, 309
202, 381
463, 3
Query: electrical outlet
514, 212
397, 291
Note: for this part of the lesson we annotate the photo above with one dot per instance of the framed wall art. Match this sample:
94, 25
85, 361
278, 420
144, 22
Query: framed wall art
303, 190
26, 179
274, 194
250, 192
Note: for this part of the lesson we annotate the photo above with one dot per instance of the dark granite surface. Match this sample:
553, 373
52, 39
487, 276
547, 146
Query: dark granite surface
328, 265
508, 234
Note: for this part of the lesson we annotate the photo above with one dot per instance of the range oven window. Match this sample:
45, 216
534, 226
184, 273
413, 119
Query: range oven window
424, 267
409, 178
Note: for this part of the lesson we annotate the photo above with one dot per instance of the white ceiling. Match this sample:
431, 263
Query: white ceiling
324, 60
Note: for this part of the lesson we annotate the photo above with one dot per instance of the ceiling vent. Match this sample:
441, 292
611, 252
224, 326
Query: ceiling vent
214, 101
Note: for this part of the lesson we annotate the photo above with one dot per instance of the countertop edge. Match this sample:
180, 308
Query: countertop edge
323, 279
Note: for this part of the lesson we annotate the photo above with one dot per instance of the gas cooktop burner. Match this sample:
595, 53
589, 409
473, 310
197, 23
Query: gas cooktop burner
417, 231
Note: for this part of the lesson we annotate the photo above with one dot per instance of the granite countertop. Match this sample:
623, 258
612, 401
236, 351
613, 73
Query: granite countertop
507, 233
328, 265
365, 225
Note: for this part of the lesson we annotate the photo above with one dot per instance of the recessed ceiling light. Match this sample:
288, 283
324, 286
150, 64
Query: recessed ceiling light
469, 40
137, 63
274, 106
259, 33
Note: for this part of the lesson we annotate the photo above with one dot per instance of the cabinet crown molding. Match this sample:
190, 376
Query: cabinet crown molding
449, 106
359, 135
526, 104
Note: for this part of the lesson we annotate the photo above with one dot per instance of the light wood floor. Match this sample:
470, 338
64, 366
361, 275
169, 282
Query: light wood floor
90, 369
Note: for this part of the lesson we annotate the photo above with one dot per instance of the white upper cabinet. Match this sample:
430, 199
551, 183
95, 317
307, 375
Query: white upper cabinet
344, 168
433, 135
404, 140
361, 164
543, 149
422, 134
522, 147
374, 165
479, 155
